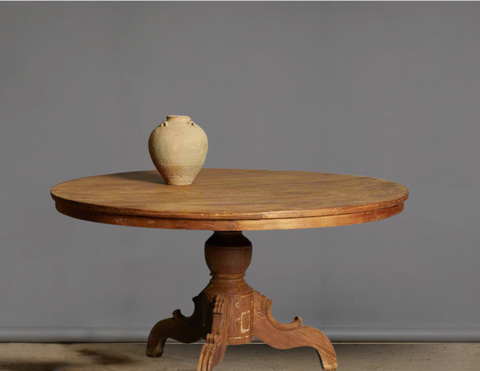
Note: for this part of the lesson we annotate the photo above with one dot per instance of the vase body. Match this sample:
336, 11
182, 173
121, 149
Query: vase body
178, 148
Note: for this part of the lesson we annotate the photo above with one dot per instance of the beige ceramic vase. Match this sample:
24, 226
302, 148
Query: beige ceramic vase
178, 148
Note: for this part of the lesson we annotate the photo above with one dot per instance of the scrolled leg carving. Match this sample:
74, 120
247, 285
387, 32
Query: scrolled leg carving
291, 335
179, 327
216, 341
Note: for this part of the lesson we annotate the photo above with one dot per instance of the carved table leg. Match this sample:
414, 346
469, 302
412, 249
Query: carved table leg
214, 350
179, 327
230, 312
291, 335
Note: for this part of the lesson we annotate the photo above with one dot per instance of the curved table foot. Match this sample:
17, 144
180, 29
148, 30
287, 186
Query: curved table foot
292, 335
214, 350
229, 312
179, 327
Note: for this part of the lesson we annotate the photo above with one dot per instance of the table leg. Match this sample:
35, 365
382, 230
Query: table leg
291, 335
179, 327
230, 312
216, 341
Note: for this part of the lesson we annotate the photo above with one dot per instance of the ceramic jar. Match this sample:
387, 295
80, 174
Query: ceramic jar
178, 148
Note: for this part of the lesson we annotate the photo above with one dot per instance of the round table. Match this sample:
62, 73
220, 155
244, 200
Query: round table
229, 201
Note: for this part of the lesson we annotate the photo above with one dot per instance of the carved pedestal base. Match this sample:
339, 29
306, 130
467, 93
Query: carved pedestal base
229, 312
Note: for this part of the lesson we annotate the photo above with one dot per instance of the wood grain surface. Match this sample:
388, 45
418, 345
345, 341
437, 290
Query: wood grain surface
231, 200
230, 312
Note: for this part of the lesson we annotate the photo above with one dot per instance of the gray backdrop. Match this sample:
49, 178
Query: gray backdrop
388, 90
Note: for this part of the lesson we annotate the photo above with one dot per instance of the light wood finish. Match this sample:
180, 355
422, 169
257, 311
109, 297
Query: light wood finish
230, 312
231, 200
179, 327
292, 335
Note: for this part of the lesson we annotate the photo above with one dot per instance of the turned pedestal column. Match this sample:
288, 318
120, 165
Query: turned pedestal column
229, 312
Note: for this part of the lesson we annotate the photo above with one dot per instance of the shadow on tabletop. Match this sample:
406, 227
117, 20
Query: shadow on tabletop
152, 176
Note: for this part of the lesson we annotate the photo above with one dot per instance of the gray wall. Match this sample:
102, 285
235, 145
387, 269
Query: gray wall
388, 90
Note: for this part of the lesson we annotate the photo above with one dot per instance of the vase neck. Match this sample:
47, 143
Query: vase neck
177, 118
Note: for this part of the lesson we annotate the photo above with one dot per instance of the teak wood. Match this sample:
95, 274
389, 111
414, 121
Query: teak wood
231, 200
228, 311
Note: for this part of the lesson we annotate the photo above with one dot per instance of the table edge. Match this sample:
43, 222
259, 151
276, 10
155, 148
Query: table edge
288, 214
230, 224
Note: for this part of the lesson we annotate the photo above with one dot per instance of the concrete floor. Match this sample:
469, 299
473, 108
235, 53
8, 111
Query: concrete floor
254, 356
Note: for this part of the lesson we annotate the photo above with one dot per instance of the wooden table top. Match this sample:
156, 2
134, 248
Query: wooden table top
231, 200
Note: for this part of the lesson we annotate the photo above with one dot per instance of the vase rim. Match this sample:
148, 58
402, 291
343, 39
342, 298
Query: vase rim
169, 117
